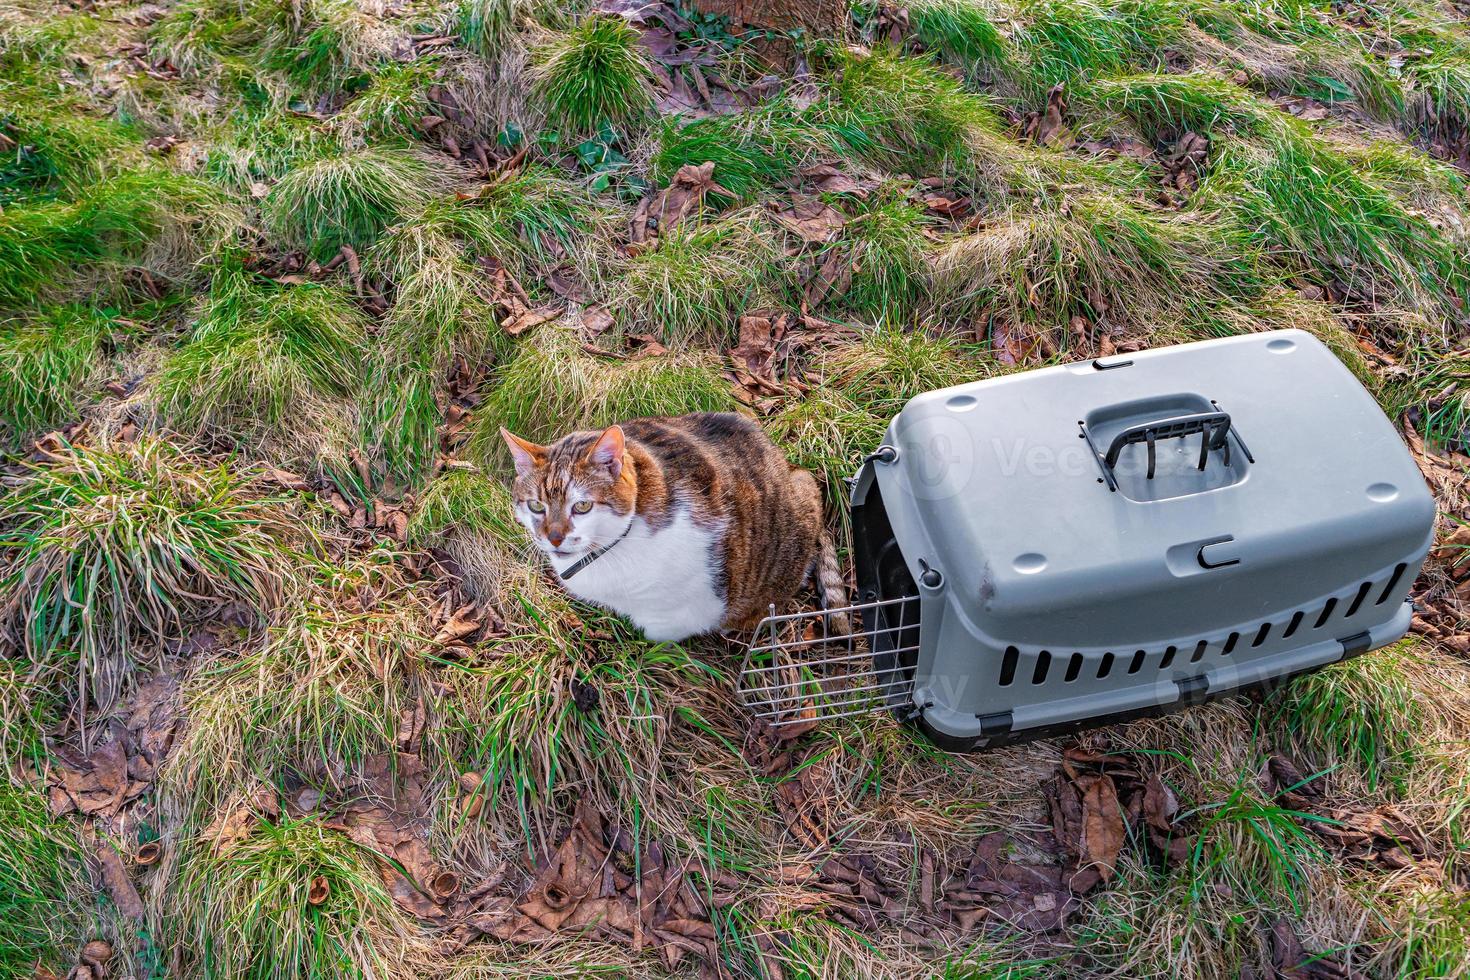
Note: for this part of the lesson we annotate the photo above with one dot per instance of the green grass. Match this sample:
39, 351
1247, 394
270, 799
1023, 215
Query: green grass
197, 33
1436, 930
551, 387
48, 245
55, 152
349, 199
962, 30
262, 358
264, 146
247, 913
695, 281
1063, 40
752, 152
323, 692
516, 722
885, 243
41, 865
463, 500
1254, 846
486, 26
528, 219
1362, 713
1321, 212
394, 98
905, 115
593, 74
828, 432
888, 366
107, 553
47, 361
1100, 255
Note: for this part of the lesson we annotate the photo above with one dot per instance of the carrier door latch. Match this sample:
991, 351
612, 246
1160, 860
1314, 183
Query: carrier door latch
1219, 554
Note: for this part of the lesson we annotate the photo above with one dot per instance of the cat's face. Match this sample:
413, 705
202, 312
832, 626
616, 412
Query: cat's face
575, 494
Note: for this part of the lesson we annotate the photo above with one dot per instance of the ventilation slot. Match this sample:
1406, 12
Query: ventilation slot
1199, 651
1008, 666
1137, 662
1393, 582
1358, 599
1105, 665
1168, 658
1296, 620
1043, 664
1261, 634
1326, 613
1230, 642
1074, 667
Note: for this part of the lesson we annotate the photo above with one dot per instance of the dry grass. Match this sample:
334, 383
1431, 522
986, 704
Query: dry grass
178, 291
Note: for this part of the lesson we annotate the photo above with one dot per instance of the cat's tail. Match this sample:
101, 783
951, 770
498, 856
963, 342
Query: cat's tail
832, 586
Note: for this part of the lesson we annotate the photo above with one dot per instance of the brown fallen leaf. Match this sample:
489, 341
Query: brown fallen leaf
1184, 166
1103, 832
460, 625
1048, 126
116, 881
665, 209
1289, 961
645, 345
237, 822
518, 323
809, 218
596, 321
96, 785
827, 179
831, 278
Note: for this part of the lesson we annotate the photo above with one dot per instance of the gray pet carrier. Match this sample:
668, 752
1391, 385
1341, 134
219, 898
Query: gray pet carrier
1098, 541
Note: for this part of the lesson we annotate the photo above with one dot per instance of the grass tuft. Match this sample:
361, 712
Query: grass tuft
347, 199
1362, 713
694, 282
552, 387
108, 552
248, 915
47, 360
263, 359
41, 865
594, 74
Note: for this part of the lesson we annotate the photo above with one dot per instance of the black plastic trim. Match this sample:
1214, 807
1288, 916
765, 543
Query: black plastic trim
976, 743
1356, 645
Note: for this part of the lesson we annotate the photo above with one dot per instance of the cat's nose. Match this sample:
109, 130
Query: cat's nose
555, 537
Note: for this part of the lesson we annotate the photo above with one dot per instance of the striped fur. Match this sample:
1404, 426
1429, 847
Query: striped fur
708, 485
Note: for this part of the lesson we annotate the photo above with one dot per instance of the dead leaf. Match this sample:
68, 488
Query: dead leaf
667, 208
115, 879
319, 890
1103, 832
1048, 126
1289, 961
596, 321
460, 625
827, 179
809, 218
525, 319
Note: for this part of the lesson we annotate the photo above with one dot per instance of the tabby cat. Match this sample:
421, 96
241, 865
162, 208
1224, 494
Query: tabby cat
684, 525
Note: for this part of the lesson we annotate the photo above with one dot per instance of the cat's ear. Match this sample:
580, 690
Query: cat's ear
607, 452
527, 455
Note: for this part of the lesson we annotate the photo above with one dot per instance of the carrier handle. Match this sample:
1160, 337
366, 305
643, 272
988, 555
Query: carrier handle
1215, 426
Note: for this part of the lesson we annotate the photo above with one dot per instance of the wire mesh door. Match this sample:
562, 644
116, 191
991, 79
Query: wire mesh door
804, 667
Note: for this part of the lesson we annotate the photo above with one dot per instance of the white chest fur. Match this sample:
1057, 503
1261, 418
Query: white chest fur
664, 581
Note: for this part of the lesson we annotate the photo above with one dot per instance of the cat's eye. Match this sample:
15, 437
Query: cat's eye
535, 506
581, 507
